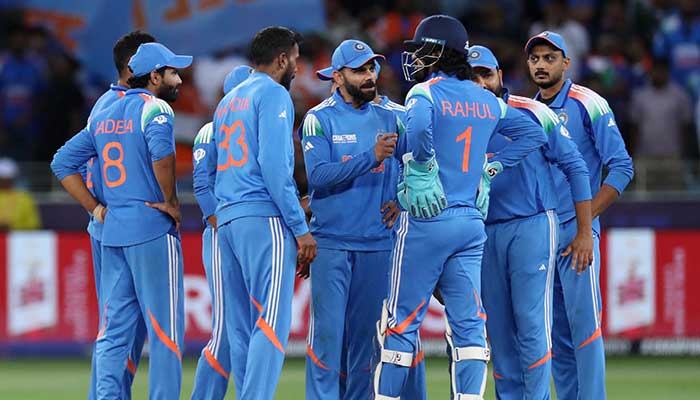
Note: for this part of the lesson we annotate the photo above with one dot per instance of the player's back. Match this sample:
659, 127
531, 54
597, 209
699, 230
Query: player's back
464, 118
240, 187
93, 177
125, 163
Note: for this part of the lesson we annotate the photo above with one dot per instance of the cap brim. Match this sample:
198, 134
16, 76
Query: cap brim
180, 62
364, 60
477, 64
325, 74
537, 39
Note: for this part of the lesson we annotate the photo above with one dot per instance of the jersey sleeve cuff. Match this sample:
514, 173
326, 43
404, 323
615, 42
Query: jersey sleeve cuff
207, 204
580, 188
617, 180
299, 229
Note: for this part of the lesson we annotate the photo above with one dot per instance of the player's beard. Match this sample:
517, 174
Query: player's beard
359, 95
168, 93
553, 80
287, 77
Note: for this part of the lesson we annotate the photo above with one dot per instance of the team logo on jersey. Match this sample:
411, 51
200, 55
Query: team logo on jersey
564, 132
308, 146
161, 119
410, 103
283, 114
199, 155
611, 122
359, 47
563, 117
346, 138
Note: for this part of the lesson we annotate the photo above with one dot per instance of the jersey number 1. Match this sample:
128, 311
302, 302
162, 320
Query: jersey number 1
467, 137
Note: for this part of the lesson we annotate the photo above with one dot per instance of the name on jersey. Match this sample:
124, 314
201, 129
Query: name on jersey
118, 127
234, 105
347, 138
466, 109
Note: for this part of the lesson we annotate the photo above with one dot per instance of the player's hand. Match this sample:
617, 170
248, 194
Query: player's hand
581, 250
306, 249
421, 191
171, 209
304, 271
483, 198
212, 221
391, 211
385, 146
99, 213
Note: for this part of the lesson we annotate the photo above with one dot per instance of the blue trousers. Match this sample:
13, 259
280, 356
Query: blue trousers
258, 256
578, 363
516, 284
143, 281
214, 365
134, 357
443, 252
347, 289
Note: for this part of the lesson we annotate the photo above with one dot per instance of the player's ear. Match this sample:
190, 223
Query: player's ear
500, 76
567, 60
338, 78
283, 60
155, 78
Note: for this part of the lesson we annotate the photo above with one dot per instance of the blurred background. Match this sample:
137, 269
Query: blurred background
643, 56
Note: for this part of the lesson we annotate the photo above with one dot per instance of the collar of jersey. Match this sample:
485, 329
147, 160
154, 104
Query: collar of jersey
118, 88
561, 96
348, 106
505, 94
139, 90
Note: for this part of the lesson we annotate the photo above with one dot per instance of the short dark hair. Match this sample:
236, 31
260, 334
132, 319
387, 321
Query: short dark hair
271, 42
127, 45
454, 63
140, 82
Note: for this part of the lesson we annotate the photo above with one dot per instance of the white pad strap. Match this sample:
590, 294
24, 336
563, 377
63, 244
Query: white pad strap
471, 353
382, 397
462, 396
400, 358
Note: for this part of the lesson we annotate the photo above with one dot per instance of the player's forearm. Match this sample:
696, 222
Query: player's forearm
603, 199
584, 219
164, 170
326, 175
75, 186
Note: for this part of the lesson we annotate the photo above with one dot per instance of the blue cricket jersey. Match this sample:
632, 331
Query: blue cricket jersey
454, 120
127, 137
347, 185
93, 178
591, 123
254, 153
528, 188
204, 172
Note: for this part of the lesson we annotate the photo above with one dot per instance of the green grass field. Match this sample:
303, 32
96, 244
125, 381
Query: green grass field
636, 378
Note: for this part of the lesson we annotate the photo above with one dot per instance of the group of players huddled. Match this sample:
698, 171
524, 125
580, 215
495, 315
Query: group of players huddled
485, 200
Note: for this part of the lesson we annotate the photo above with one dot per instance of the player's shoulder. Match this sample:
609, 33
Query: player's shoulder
155, 109
424, 89
312, 125
590, 101
543, 114
204, 134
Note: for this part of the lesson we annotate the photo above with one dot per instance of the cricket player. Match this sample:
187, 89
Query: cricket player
260, 222
415, 386
124, 48
520, 252
440, 239
141, 254
578, 363
214, 365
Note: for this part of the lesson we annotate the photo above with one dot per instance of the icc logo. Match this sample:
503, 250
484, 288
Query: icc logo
199, 155
160, 119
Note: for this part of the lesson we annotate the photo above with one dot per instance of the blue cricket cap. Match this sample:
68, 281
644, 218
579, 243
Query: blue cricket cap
350, 53
236, 76
152, 56
551, 38
481, 56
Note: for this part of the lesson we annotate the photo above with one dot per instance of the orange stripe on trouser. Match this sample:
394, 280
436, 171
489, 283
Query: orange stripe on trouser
104, 323
593, 337
417, 359
130, 365
313, 357
401, 328
541, 360
214, 363
266, 328
163, 337
478, 306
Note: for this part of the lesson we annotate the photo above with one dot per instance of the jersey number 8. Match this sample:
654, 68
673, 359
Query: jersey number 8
114, 163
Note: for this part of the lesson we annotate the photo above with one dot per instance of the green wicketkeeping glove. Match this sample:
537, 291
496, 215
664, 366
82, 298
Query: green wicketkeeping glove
421, 191
491, 169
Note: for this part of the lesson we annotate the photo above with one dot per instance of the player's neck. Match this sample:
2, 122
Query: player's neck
550, 92
356, 103
272, 71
